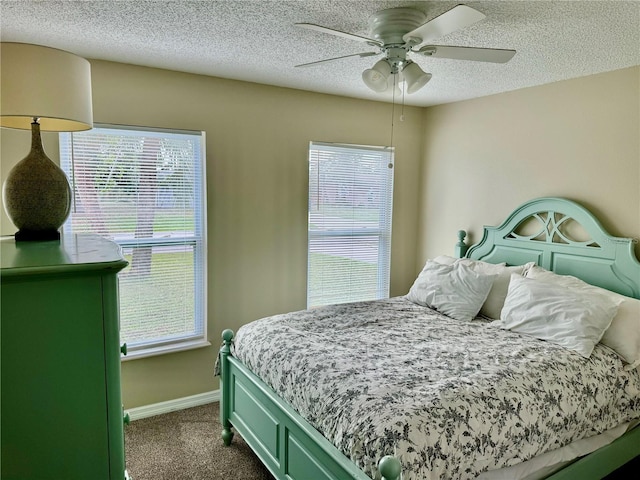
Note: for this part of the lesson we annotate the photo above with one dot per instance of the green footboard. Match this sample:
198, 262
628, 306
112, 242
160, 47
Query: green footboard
285, 443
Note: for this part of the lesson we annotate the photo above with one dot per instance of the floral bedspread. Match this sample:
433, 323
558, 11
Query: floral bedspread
451, 399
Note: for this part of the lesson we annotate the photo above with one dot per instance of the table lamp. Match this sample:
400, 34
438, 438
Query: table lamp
46, 89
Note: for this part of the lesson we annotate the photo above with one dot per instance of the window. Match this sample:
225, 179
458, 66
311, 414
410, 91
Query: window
350, 203
144, 189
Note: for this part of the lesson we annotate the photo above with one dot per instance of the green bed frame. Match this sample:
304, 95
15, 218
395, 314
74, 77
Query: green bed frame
541, 231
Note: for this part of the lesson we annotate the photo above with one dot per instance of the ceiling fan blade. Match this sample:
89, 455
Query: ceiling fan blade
458, 17
364, 54
494, 55
338, 33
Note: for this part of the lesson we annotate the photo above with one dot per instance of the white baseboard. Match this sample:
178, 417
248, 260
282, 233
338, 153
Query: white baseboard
173, 405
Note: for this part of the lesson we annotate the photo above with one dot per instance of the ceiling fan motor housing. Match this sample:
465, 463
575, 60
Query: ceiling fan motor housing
390, 25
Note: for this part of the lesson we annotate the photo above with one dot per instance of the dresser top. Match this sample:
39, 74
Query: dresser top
70, 254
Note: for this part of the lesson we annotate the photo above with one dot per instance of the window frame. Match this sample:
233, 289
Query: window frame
198, 338
383, 235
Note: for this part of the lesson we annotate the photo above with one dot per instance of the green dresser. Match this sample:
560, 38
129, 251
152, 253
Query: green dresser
62, 414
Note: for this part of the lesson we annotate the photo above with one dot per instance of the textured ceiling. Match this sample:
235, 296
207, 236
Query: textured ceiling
258, 42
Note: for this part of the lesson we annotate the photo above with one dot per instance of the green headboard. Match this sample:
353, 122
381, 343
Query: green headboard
562, 236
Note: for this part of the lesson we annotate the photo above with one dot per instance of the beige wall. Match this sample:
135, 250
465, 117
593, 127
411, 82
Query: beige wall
578, 139
257, 142
460, 165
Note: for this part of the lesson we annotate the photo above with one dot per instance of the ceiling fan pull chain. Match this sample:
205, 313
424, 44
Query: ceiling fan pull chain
402, 111
393, 111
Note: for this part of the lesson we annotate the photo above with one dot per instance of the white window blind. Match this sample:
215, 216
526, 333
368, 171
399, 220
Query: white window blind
350, 205
144, 189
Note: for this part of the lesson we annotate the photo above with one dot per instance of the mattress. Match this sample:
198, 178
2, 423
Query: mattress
548, 463
450, 399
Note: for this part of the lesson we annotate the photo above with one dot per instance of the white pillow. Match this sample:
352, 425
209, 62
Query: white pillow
455, 290
623, 336
446, 259
492, 306
557, 314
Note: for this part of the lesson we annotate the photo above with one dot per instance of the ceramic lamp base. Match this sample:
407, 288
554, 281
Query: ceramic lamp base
36, 194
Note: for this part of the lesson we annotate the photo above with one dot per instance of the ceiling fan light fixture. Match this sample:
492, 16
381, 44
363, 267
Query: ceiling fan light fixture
415, 77
376, 78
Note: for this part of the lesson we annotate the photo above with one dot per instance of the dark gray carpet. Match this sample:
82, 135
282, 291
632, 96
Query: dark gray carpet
186, 445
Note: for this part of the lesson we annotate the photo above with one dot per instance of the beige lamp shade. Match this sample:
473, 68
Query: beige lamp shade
45, 83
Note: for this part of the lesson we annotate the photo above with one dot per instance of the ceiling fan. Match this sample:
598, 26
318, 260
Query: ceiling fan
398, 32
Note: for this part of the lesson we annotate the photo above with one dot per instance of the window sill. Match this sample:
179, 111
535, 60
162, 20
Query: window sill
164, 349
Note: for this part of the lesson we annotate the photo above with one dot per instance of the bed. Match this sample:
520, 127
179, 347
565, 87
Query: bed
480, 421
